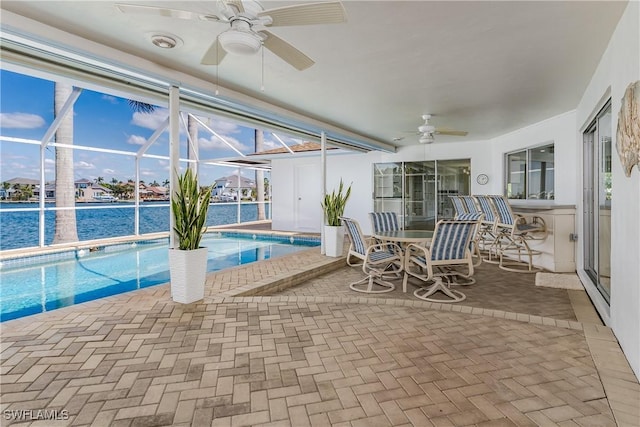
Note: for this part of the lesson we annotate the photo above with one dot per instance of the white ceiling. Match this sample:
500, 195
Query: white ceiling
484, 67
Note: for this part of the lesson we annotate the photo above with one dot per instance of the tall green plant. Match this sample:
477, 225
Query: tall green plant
334, 204
190, 206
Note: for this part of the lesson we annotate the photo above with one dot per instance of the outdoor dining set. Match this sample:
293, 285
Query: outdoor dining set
484, 229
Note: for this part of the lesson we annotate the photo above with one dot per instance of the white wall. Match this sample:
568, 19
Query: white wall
486, 157
619, 66
559, 130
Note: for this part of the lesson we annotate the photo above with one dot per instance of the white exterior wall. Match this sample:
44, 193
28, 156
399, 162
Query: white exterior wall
486, 157
561, 131
619, 66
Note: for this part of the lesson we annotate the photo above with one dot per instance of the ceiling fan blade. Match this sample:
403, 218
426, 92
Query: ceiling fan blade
237, 3
451, 132
287, 52
214, 55
163, 11
306, 14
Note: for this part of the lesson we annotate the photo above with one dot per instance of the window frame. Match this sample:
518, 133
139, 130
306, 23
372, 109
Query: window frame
527, 170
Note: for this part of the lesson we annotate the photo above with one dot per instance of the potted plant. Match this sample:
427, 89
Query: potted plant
188, 262
333, 206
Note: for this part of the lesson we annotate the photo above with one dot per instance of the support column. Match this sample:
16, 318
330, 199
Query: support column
323, 179
174, 155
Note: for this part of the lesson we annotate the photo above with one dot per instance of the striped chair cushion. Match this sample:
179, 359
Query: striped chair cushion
451, 240
384, 221
381, 256
485, 206
356, 237
470, 204
458, 205
469, 217
504, 211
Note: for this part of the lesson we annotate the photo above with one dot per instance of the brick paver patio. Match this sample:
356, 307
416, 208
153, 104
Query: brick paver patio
318, 354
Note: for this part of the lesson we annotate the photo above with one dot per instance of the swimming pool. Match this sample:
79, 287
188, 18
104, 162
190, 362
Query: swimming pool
44, 283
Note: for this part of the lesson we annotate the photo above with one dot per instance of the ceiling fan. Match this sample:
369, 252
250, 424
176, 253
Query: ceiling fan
428, 131
248, 22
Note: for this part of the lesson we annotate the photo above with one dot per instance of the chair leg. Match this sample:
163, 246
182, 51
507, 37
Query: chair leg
438, 285
518, 247
372, 280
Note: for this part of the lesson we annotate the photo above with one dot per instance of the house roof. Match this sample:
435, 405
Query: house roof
296, 148
23, 181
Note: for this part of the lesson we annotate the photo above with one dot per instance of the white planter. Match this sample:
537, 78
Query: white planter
188, 271
333, 240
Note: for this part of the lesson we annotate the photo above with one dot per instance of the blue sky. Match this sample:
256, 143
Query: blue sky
105, 121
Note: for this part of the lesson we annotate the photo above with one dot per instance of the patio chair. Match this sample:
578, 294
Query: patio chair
471, 204
475, 239
378, 260
513, 232
449, 249
458, 205
487, 233
384, 221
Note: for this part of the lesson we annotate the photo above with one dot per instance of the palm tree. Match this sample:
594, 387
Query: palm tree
5, 186
114, 181
259, 144
192, 129
99, 180
65, 225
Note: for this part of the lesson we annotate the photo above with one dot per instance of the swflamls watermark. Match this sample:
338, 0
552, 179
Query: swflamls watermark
35, 414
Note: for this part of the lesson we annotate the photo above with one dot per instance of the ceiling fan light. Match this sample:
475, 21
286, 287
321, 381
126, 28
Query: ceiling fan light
240, 42
427, 138
427, 128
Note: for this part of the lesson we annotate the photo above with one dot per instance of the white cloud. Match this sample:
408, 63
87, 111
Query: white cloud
17, 166
110, 99
108, 171
150, 120
269, 144
84, 165
215, 143
21, 121
146, 172
136, 140
220, 126
49, 161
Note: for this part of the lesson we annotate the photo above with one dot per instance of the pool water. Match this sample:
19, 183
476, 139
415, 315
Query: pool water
46, 286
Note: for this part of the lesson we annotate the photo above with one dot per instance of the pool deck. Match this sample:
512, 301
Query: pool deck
284, 342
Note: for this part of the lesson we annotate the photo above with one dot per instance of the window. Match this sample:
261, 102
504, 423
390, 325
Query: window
530, 173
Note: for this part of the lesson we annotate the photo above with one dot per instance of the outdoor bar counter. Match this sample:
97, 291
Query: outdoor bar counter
558, 249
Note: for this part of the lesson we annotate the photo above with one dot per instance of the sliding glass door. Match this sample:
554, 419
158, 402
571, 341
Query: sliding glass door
419, 191
597, 201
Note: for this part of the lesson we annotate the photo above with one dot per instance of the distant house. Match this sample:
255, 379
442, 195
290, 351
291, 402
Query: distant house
89, 191
19, 188
226, 188
152, 192
50, 191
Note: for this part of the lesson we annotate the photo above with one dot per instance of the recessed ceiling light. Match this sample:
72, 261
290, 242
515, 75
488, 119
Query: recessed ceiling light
398, 138
164, 41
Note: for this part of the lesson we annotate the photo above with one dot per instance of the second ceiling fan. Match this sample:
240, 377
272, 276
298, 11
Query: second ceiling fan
248, 22
428, 132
